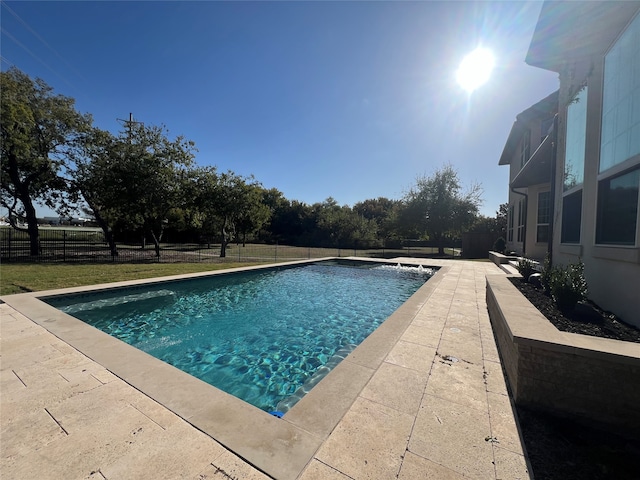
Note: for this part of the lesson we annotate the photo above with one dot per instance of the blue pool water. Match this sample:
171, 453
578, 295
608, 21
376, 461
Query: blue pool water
267, 336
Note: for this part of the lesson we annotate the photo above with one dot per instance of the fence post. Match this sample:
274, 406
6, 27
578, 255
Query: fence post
64, 245
9, 246
275, 257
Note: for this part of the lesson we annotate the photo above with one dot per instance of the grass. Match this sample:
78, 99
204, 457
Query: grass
21, 278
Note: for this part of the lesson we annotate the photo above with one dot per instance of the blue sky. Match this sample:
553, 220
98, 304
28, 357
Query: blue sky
350, 100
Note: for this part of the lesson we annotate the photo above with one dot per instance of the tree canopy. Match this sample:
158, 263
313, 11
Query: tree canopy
437, 208
142, 182
41, 134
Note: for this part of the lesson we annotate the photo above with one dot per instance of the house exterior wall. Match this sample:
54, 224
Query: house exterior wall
530, 247
612, 271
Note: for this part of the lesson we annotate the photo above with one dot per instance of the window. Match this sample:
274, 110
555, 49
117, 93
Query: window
618, 209
576, 138
575, 141
510, 227
620, 136
571, 217
525, 148
544, 214
522, 213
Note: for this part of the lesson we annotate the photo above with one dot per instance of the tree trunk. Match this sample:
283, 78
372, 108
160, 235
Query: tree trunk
156, 240
32, 224
22, 193
102, 223
223, 246
32, 228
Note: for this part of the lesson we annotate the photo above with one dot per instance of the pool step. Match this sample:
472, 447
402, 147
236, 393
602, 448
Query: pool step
115, 301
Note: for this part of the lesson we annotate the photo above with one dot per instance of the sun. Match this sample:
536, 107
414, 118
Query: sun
475, 69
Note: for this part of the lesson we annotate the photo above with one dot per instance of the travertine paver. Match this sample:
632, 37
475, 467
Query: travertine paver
419, 413
464, 427
65, 416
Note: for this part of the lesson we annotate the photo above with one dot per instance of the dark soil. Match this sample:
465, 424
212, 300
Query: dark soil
561, 449
587, 318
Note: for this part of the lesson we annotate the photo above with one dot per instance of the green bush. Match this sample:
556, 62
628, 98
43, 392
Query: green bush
499, 245
546, 275
526, 267
568, 286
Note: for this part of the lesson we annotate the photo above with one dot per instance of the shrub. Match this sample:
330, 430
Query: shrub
546, 275
525, 267
568, 285
500, 245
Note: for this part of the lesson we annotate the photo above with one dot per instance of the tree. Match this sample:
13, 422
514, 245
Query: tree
381, 210
94, 179
438, 208
227, 204
255, 214
135, 179
41, 133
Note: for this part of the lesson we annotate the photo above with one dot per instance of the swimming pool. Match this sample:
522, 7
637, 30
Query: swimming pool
266, 337
280, 447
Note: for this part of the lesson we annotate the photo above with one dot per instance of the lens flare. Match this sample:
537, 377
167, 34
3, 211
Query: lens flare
475, 69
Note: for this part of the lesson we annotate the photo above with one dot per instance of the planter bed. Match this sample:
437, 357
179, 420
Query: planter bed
590, 379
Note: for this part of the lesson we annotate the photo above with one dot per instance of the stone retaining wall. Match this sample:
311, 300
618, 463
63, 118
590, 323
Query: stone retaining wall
593, 380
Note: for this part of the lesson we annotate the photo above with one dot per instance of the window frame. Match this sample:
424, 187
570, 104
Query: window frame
548, 215
522, 216
615, 170
510, 223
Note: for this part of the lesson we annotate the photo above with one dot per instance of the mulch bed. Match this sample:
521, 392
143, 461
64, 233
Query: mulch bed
561, 449
587, 318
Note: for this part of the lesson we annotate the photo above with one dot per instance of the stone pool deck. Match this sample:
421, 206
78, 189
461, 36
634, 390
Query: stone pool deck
435, 406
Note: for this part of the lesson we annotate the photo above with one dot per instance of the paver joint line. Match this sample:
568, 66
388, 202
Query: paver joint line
57, 422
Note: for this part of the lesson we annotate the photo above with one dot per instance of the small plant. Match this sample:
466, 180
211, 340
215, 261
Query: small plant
500, 245
526, 267
546, 275
568, 285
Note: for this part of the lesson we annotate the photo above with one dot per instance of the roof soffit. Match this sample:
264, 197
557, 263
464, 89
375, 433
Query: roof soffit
568, 31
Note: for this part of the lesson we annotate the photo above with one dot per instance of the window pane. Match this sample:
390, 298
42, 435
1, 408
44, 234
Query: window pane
510, 229
576, 138
618, 209
543, 207
542, 231
621, 99
571, 218
542, 234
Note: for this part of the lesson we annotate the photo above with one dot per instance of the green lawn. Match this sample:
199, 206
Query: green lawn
20, 278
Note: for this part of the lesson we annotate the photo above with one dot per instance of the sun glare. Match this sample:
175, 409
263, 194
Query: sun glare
475, 69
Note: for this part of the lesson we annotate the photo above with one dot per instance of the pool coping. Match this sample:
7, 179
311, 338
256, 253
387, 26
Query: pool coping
281, 448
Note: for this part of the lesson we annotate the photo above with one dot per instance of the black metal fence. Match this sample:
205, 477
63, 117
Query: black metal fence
89, 245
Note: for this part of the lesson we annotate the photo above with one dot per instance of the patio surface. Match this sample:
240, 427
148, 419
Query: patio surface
435, 406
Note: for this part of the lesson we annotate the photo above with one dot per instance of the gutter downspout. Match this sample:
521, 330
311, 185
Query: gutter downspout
552, 188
